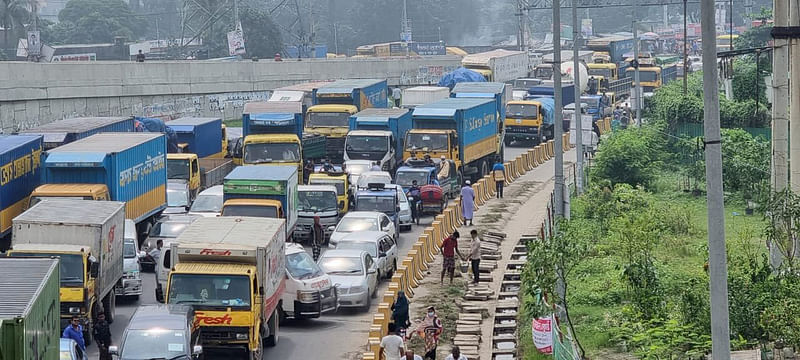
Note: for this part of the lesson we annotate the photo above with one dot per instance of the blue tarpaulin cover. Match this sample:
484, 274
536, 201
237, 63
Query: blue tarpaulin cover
144, 124
461, 74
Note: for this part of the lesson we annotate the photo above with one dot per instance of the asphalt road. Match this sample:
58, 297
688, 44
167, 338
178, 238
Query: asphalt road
334, 336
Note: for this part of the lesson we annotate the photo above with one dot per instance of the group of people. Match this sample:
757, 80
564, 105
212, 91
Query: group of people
101, 332
429, 329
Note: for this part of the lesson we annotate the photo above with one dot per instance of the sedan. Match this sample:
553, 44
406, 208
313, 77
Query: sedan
370, 177
165, 229
69, 350
208, 203
356, 221
378, 244
354, 273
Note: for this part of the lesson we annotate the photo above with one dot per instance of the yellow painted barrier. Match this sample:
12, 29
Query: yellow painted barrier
398, 279
512, 171
386, 310
437, 234
542, 153
608, 124
419, 246
526, 161
417, 259
506, 170
429, 244
565, 142
408, 280
410, 270
389, 297
600, 126
379, 319
459, 216
477, 190
490, 188
484, 185
394, 287
451, 220
520, 166
550, 150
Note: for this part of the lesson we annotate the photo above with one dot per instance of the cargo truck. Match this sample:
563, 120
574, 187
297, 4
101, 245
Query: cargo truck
377, 135
262, 191
335, 103
498, 65
204, 137
20, 163
29, 327
653, 77
87, 237
65, 131
111, 166
421, 95
464, 130
529, 120
615, 46
273, 135
302, 93
232, 270
200, 173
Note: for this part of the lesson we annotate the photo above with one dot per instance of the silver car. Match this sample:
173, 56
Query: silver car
378, 244
69, 350
404, 217
208, 203
159, 332
355, 221
354, 273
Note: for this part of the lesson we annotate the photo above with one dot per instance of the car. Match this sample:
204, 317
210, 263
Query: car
404, 217
178, 197
69, 350
131, 267
378, 244
167, 228
373, 177
354, 273
208, 203
354, 169
361, 221
159, 332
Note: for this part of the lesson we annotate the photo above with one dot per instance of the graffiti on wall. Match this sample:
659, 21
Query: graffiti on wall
224, 105
429, 74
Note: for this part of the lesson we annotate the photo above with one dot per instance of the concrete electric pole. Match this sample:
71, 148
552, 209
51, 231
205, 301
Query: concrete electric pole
780, 101
578, 118
558, 122
637, 88
717, 256
794, 101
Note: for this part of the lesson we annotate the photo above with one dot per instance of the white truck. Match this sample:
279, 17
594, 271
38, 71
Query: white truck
88, 238
421, 95
232, 270
309, 290
498, 65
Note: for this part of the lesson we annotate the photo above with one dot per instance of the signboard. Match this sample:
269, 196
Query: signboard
236, 41
586, 28
428, 48
397, 49
262, 187
75, 57
34, 43
587, 4
543, 334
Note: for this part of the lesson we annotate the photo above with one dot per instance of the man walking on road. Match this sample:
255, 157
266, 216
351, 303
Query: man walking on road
475, 256
449, 250
499, 175
317, 238
392, 344
102, 335
74, 331
467, 202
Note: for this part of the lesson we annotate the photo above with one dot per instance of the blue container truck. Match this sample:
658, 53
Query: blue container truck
200, 136
20, 173
262, 191
130, 168
65, 131
567, 93
377, 135
500, 92
464, 130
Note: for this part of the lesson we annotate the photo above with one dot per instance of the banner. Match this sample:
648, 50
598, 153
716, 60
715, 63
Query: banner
236, 41
542, 334
586, 28
429, 48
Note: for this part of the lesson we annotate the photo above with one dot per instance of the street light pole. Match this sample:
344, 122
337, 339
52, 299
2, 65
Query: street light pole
685, 52
558, 191
578, 118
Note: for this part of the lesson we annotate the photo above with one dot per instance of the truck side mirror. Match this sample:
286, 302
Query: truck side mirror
331, 228
341, 205
113, 350
94, 269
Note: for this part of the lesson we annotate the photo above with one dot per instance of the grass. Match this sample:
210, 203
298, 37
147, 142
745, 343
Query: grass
233, 123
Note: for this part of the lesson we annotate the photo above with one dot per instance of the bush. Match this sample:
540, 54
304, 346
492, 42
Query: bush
631, 156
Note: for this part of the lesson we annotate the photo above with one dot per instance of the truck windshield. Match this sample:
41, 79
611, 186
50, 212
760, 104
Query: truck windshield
339, 184
177, 197
328, 119
378, 144
168, 229
405, 178
257, 153
426, 141
317, 201
341, 265
648, 76
210, 290
129, 250
522, 111
178, 169
250, 210
600, 72
71, 268
591, 103
544, 72
36, 199
525, 84
155, 343
207, 203
301, 266
384, 204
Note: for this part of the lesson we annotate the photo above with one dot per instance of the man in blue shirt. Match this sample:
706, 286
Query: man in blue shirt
74, 331
499, 176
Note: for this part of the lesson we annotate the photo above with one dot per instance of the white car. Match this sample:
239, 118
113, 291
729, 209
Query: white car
131, 267
379, 245
370, 177
362, 221
208, 203
309, 291
404, 217
354, 169
354, 273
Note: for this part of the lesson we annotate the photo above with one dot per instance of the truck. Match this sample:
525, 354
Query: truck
335, 103
377, 135
20, 163
302, 93
130, 168
652, 77
262, 191
498, 65
529, 120
232, 271
421, 95
200, 173
204, 137
273, 135
87, 238
316, 200
464, 130
615, 46
65, 131
29, 327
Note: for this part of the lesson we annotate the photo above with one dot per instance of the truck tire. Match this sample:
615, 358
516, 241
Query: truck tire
256, 354
273, 325
110, 306
507, 141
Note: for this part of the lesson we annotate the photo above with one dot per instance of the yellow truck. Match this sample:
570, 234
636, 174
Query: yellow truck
232, 271
340, 181
200, 173
87, 237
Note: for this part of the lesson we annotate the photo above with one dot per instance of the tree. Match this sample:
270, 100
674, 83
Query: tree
262, 38
631, 156
14, 14
95, 21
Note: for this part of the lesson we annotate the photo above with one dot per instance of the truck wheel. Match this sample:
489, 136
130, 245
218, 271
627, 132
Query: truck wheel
256, 354
507, 142
272, 339
484, 169
110, 306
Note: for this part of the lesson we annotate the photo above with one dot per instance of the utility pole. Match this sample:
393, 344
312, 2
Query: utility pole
730, 16
637, 89
406, 31
558, 123
686, 52
717, 256
780, 106
794, 102
576, 75
236, 14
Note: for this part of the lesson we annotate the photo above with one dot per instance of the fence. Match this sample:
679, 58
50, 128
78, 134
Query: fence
692, 130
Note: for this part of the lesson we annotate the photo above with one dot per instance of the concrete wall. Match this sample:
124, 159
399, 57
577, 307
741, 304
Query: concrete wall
32, 93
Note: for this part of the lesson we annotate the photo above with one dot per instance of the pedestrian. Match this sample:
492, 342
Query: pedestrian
455, 354
74, 331
475, 256
467, 202
140, 56
328, 167
400, 311
429, 329
102, 335
375, 166
499, 175
156, 252
307, 170
278, 57
392, 344
411, 356
318, 237
396, 95
449, 250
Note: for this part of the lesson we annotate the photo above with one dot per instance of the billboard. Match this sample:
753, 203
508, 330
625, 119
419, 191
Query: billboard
428, 48
236, 41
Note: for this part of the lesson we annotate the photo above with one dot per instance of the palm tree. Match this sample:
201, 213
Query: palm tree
14, 14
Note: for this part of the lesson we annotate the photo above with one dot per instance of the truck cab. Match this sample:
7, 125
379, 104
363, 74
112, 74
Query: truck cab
374, 145
524, 119
331, 121
316, 200
433, 142
184, 166
68, 191
340, 181
256, 191
272, 149
649, 77
253, 208
380, 199
309, 291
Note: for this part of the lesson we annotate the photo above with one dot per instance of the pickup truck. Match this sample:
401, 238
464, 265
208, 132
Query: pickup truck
262, 191
200, 173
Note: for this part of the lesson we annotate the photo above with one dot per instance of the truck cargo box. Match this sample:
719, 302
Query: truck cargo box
29, 315
475, 122
500, 92
132, 166
20, 163
362, 93
278, 182
421, 95
202, 135
65, 131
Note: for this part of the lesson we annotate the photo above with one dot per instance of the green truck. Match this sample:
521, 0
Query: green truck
29, 314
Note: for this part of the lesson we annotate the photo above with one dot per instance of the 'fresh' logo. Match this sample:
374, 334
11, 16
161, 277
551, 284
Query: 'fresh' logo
215, 252
200, 318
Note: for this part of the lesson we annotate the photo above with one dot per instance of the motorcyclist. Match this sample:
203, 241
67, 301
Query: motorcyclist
413, 195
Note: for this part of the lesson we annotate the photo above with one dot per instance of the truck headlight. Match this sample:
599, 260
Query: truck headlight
241, 336
305, 296
133, 274
74, 310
